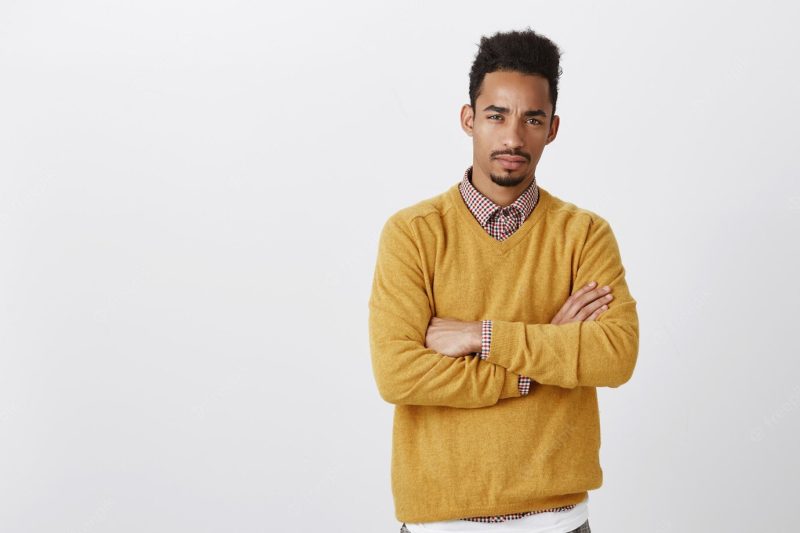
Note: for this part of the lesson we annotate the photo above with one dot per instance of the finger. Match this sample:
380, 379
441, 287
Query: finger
597, 312
597, 294
589, 286
573, 304
589, 308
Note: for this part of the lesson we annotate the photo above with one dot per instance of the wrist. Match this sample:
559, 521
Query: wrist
475, 336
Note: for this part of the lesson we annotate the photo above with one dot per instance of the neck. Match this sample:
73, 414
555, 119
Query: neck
499, 194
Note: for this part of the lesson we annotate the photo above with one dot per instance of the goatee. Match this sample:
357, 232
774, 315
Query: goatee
507, 181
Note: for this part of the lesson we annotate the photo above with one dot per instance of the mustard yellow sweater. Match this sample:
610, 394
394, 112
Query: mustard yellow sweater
465, 443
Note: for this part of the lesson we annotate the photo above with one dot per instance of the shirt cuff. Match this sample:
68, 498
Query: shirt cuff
486, 338
524, 385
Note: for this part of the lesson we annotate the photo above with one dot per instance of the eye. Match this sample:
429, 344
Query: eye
490, 117
536, 120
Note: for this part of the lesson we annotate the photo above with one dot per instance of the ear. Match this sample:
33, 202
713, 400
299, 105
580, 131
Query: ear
551, 135
467, 118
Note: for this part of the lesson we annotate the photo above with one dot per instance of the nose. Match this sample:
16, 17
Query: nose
512, 138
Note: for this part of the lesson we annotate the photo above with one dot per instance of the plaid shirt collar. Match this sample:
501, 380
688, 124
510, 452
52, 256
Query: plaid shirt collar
499, 222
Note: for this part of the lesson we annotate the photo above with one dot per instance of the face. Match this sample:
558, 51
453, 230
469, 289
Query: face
510, 126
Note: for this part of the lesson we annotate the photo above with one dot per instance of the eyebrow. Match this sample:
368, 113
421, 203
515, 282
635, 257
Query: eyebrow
529, 113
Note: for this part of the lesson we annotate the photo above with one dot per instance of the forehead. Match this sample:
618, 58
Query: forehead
514, 89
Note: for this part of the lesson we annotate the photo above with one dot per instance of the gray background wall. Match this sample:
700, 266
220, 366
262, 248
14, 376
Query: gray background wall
190, 200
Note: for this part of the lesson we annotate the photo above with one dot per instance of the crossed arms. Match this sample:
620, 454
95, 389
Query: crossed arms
568, 352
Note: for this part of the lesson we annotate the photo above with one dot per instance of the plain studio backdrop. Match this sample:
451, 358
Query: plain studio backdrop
191, 197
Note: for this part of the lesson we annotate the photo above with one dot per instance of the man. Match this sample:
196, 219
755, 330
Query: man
492, 322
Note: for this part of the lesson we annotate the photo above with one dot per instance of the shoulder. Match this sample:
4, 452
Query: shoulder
422, 213
562, 212
586, 229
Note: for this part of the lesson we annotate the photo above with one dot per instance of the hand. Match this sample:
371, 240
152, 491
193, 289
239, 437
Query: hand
584, 304
452, 337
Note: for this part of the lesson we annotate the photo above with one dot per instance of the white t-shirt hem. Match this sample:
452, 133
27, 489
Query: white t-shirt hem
550, 522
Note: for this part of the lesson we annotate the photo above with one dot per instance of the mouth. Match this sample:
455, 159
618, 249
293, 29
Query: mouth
510, 162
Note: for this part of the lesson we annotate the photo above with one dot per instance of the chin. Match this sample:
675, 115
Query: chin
507, 180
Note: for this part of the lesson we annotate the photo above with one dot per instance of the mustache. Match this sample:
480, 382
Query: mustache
512, 153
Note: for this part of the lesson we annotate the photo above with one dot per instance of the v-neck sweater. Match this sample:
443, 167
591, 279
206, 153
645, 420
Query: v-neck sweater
465, 441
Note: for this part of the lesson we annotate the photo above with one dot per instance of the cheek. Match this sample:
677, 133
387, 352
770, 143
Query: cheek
479, 142
483, 137
537, 140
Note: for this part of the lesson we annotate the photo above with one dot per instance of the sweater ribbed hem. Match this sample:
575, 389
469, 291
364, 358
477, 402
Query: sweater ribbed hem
510, 387
535, 504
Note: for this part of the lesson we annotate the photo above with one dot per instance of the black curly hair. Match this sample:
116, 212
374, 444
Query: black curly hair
522, 51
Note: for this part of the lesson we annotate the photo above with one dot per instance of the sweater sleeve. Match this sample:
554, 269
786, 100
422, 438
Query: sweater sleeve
598, 353
525, 382
400, 310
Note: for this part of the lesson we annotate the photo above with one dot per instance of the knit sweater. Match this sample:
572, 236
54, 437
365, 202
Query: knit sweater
501, 222
465, 441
